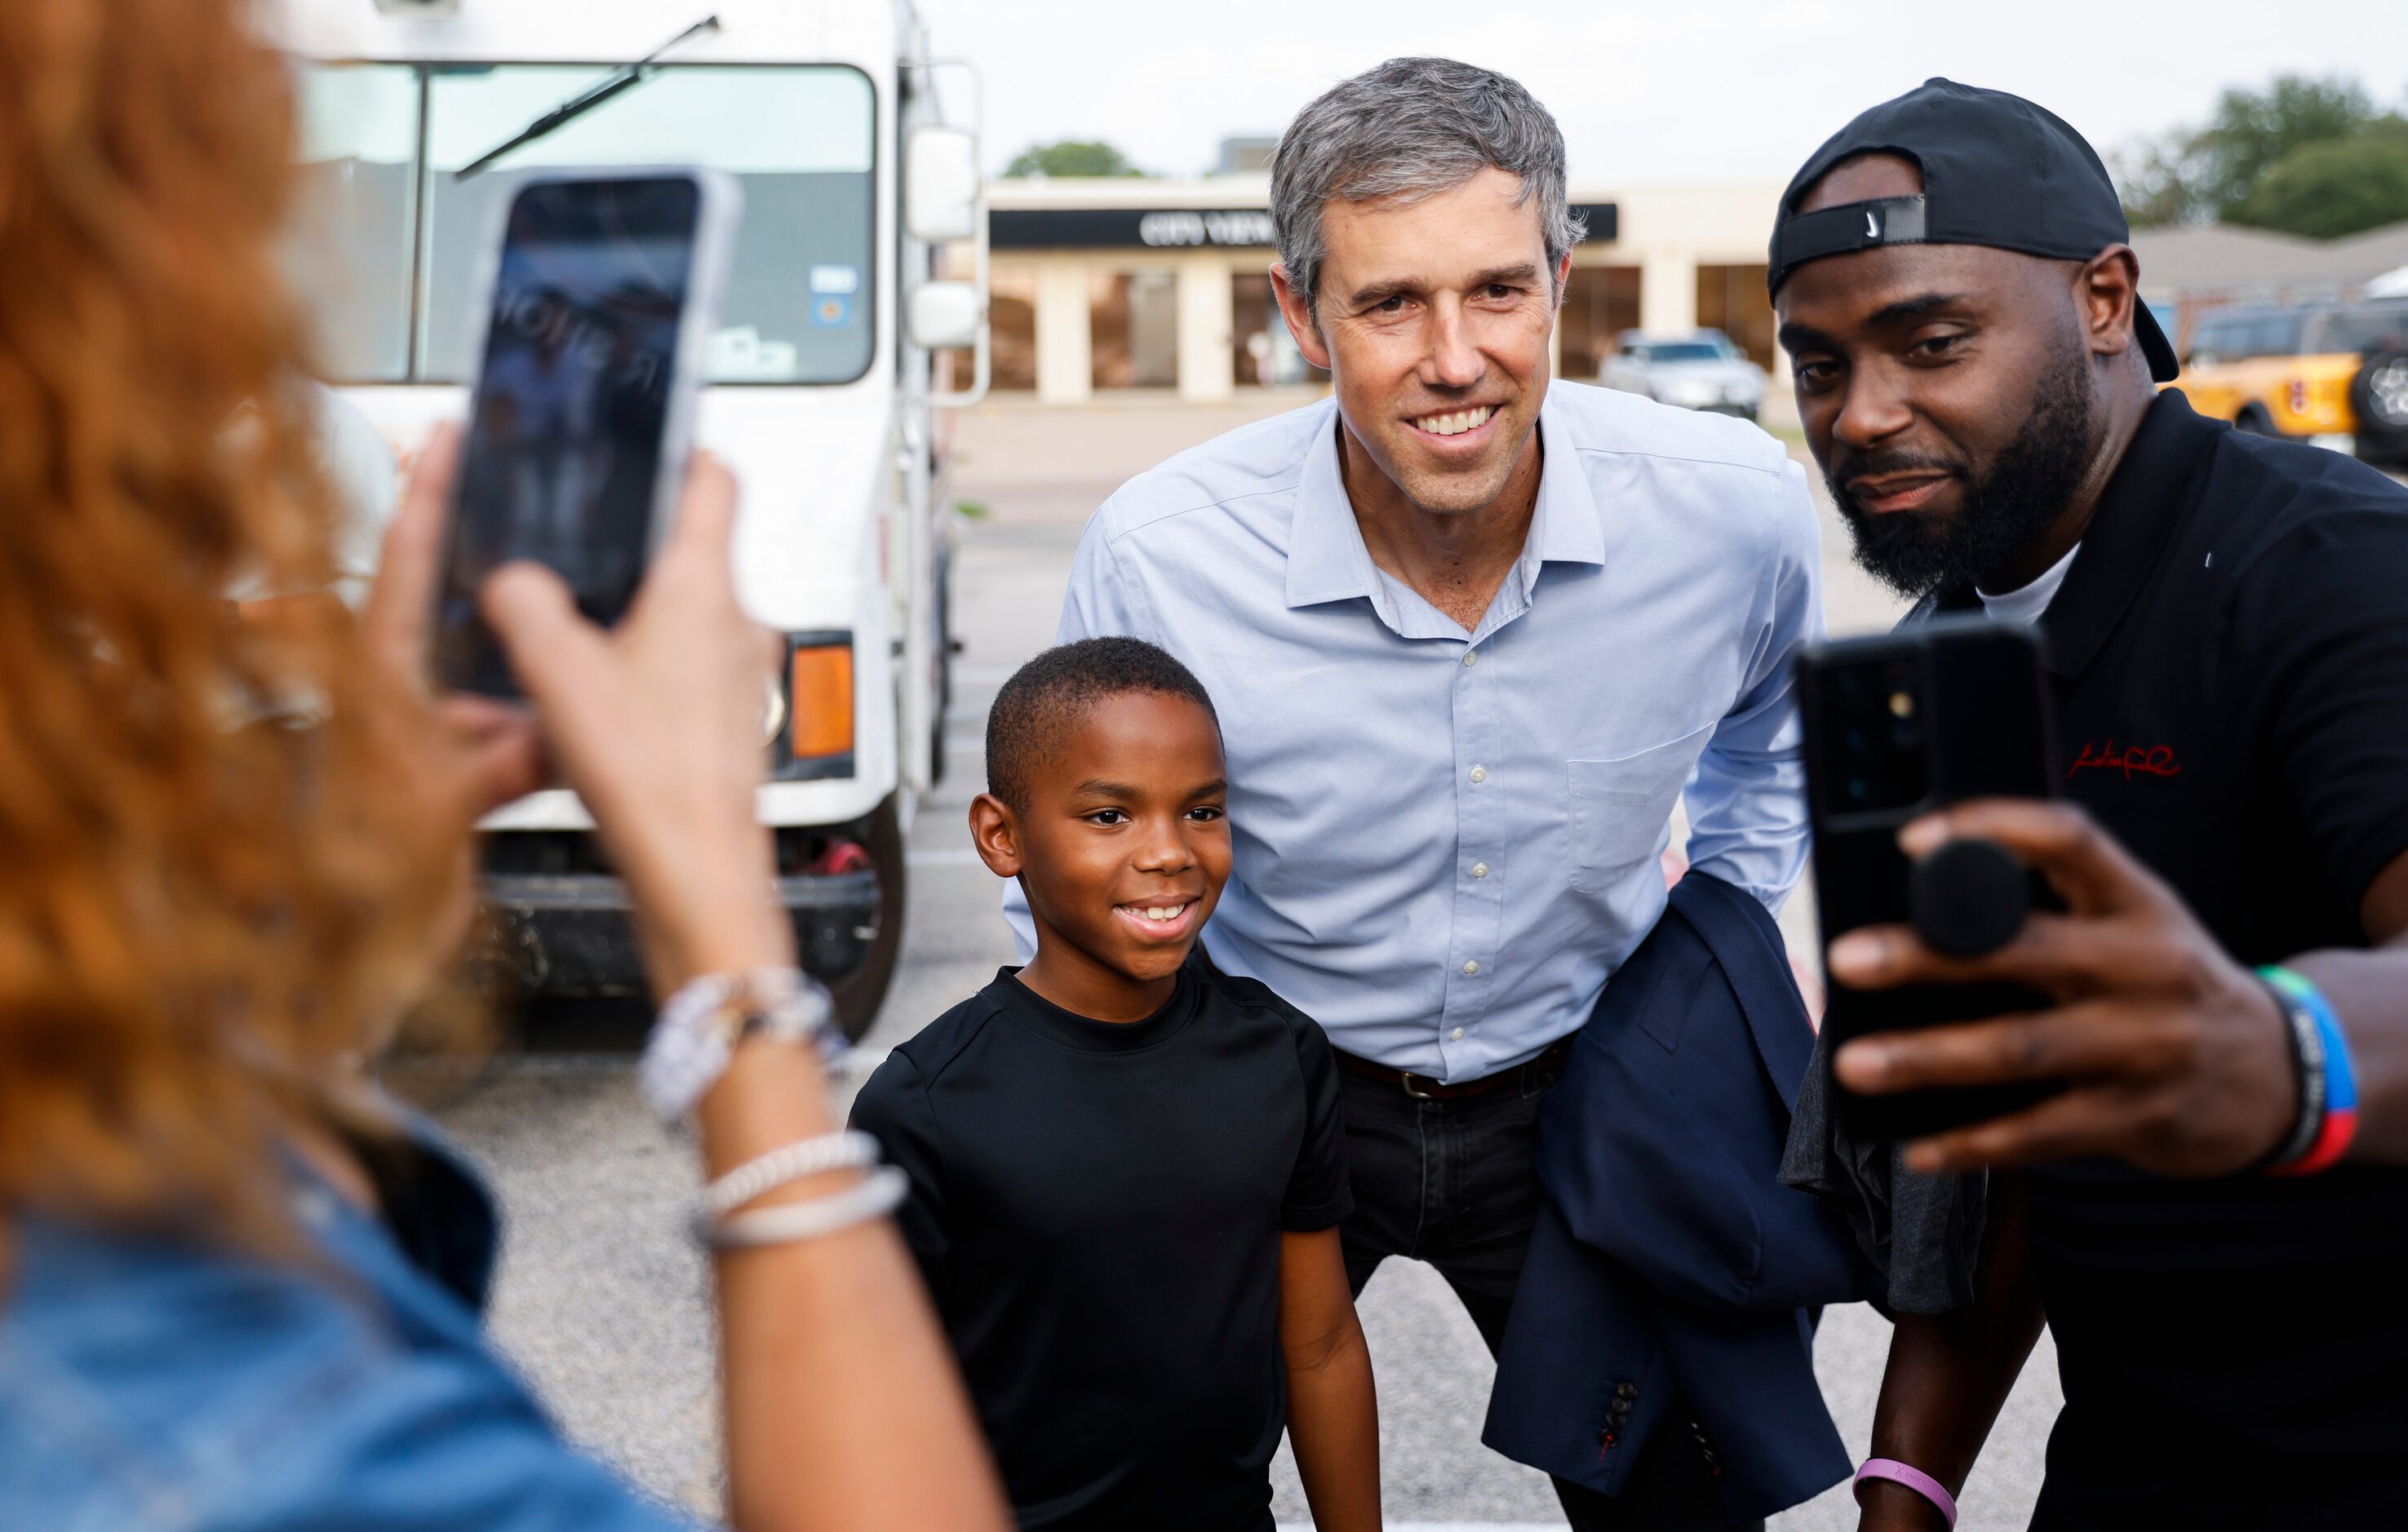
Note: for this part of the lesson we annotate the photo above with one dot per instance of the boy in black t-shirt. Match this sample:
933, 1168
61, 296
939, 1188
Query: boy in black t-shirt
1126, 1168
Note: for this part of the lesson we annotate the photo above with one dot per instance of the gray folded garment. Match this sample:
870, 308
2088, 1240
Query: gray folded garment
1922, 1232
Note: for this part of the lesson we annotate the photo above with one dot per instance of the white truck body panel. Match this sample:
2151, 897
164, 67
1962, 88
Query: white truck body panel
839, 529
818, 463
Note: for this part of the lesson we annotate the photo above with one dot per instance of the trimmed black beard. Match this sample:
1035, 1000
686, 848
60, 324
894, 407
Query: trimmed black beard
2004, 511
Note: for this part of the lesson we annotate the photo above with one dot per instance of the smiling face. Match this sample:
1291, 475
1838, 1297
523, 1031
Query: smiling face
1433, 317
1946, 391
1122, 849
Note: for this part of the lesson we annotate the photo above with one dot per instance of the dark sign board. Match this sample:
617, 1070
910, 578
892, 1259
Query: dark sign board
1175, 228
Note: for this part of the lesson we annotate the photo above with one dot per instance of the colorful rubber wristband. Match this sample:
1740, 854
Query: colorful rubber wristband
1914, 1479
2339, 1125
2307, 1052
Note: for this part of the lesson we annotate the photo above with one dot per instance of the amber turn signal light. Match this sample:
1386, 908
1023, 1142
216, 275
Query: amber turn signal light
819, 688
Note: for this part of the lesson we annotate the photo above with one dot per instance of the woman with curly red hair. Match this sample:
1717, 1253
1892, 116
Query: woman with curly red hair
238, 1288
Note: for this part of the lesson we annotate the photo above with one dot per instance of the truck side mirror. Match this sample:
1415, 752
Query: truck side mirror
946, 315
940, 193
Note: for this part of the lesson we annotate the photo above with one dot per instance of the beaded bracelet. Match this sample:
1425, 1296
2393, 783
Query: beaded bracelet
873, 1195
2328, 1121
700, 1026
797, 1161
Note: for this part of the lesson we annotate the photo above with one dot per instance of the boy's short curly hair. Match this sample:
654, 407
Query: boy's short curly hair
1048, 695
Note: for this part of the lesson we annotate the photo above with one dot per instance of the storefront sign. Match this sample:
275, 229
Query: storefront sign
1175, 228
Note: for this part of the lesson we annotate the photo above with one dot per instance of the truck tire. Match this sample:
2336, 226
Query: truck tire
2254, 421
2378, 398
859, 994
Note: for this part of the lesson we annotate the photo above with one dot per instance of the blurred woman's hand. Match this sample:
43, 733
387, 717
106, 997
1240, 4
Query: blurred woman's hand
657, 725
479, 753
484, 753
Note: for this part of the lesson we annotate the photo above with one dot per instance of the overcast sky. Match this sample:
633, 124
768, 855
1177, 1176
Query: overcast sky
1654, 94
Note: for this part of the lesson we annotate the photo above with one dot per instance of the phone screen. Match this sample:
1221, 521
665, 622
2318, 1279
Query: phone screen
1895, 726
562, 463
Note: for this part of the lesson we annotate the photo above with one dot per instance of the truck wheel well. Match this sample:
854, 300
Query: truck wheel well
859, 994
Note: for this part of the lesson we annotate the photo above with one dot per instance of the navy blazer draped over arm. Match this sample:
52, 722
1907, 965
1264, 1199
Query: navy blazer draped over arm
1669, 1260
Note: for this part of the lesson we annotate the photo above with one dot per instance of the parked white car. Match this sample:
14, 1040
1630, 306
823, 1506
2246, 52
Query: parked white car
1698, 371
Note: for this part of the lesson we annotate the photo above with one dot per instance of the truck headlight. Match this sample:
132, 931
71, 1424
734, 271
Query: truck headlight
773, 716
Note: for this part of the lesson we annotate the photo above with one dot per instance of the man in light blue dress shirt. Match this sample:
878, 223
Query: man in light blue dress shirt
1472, 635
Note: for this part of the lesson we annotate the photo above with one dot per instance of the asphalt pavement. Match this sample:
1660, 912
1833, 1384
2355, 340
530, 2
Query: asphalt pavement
603, 1302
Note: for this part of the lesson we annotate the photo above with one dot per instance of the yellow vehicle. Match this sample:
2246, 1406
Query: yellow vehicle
2331, 371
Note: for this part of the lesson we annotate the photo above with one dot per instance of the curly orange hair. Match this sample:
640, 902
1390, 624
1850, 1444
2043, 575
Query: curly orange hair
202, 911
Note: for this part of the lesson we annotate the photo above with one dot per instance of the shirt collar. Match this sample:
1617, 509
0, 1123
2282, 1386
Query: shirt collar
2145, 501
1568, 525
1327, 560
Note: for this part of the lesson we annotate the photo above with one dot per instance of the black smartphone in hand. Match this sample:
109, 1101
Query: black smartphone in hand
1896, 726
603, 289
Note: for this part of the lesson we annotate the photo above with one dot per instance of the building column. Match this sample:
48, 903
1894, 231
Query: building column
1066, 366
1206, 321
1668, 292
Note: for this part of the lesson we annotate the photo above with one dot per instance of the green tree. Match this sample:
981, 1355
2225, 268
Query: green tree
2157, 181
1072, 157
2328, 190
2253, 129
2207, 174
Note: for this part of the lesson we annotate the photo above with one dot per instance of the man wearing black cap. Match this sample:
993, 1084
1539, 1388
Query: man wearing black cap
2211, 1214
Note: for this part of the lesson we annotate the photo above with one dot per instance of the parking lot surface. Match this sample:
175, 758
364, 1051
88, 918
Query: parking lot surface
604, 1304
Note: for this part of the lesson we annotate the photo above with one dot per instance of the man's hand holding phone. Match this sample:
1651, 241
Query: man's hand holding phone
2176, 1054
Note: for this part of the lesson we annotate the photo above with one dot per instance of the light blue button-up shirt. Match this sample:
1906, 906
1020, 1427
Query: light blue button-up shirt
1445, 842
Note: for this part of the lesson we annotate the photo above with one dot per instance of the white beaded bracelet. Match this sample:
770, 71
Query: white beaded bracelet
793, 1162
702, 1023
872, 1196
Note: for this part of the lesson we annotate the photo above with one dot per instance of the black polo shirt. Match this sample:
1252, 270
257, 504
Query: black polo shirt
2229, 653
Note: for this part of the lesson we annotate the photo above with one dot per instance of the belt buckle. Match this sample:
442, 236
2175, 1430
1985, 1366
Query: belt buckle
1406, 1077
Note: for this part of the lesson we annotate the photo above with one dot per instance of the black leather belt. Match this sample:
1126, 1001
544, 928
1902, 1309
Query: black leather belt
1423, 1088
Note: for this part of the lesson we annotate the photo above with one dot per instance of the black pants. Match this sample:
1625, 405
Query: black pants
1451, 1182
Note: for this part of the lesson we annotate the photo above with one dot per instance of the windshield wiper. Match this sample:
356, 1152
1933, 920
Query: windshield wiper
625, 77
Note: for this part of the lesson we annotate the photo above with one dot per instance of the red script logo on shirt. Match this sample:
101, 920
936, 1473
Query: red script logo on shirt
2132, 760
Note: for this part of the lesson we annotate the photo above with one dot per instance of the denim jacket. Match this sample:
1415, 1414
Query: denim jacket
149, 1385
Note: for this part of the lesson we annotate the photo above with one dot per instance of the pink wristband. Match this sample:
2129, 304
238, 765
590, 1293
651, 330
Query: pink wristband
1914, 1479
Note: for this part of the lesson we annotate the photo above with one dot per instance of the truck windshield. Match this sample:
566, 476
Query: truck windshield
386, 247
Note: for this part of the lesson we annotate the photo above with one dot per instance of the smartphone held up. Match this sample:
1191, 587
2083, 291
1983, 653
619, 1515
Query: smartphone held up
1897, 726
603, 289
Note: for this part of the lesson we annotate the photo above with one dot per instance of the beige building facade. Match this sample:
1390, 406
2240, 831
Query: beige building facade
1164, 285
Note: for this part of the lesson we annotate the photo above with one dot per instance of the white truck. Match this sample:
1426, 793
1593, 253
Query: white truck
824, 383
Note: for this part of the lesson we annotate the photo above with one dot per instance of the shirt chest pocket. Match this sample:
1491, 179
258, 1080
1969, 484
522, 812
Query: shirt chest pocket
1619, 807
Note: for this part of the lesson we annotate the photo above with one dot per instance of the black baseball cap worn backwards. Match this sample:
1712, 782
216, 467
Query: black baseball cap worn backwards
1998, 170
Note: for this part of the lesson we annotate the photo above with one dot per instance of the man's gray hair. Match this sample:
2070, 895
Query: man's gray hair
1404, 131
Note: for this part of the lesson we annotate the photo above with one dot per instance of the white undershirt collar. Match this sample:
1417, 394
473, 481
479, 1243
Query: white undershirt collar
2025, 603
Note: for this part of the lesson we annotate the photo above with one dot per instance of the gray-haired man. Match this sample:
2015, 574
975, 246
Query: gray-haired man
1470, 635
